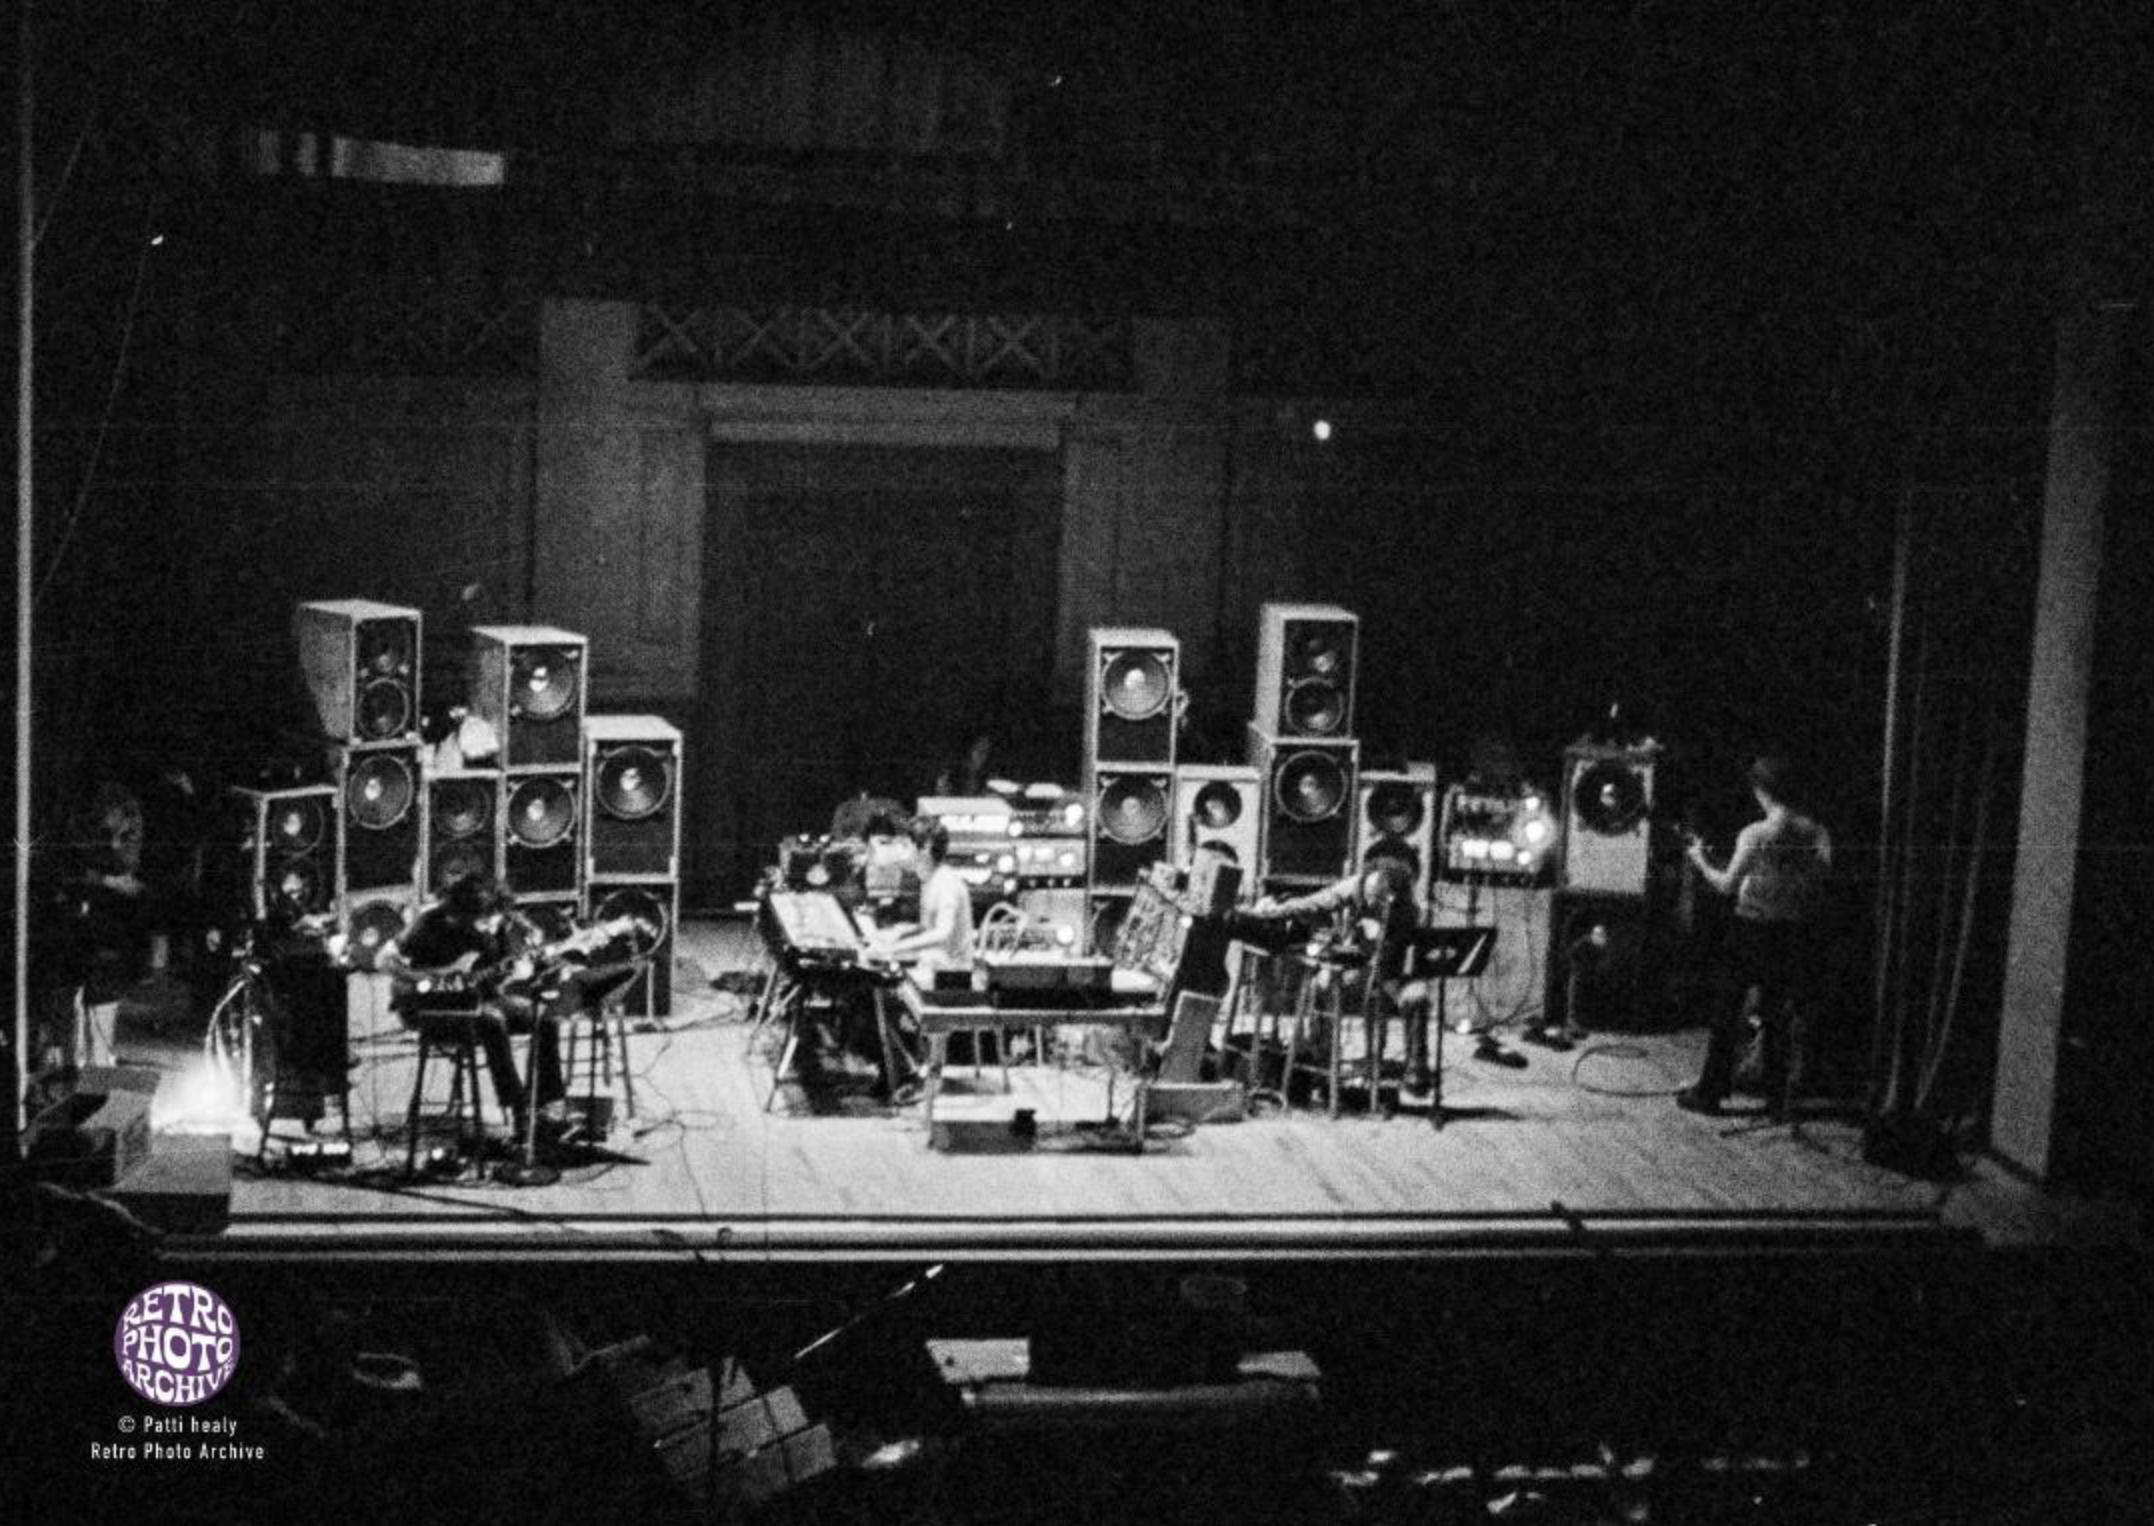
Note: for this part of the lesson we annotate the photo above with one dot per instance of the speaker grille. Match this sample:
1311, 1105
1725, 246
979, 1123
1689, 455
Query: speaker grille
378, 791
1134, 685
1310, 786
542, 812
634, 783
542, 681
1132, 811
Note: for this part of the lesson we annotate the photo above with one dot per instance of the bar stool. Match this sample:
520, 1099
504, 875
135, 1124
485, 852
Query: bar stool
452, 1035
1320, 1014
595, 1003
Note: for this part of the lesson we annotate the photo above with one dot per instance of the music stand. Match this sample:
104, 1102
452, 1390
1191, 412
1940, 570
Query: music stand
1442, 955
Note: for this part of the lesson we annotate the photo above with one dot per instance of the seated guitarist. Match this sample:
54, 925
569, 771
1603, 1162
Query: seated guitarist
463, 957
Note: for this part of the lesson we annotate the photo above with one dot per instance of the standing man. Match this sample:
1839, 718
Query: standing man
1778, 875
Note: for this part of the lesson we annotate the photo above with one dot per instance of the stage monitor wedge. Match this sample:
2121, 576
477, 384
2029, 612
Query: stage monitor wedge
1607, 819
1306, 660
632, 781
1132, 696
1395, 818
1309, 807
528, 683
361, 664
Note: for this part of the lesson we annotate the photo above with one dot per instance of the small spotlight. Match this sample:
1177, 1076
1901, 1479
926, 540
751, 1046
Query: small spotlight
1321, 429
157, 241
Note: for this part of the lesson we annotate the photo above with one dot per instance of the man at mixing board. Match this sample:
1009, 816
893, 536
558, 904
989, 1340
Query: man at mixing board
943, 937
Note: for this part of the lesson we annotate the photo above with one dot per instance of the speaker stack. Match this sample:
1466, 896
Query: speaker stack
632, 844
527, 683
360, 660
1301, 743
1395, 819
1132, 678
1600, 920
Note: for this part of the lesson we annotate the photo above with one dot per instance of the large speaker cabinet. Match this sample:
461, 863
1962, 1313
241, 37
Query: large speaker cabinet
463, 827
1308, 807
632, 842
1607, 819
380, 842
527, 682
277, 856
1131, 682
632, 773
655, 907
361, 664
1395, 817
1132, 679
1306, 659
542, 829
1219, 807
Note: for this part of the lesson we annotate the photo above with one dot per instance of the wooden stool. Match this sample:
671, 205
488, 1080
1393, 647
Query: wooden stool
451, 1034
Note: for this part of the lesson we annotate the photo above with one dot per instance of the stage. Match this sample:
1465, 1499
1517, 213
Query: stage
1573, 1153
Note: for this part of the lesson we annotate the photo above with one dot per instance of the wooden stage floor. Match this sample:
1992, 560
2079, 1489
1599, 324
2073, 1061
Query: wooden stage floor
1575, 1153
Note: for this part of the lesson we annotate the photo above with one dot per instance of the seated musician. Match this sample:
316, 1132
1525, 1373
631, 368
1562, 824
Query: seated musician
1381, 916
473, 930
942, 939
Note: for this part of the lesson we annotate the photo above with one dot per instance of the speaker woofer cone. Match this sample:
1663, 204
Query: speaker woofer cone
461, 860
1395, 850
1315, 707
1609, 797
646, 908
372, 925
378, 791
297, 826
1134, 685
542, 813
634, 783
1132, 811
296, 887
1310, 786
543, 681
384, 708
462, 808
1218, 805
1395, 809
385, 647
